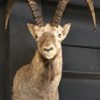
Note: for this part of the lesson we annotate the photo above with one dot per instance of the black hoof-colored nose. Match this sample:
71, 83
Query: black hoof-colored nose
48, 49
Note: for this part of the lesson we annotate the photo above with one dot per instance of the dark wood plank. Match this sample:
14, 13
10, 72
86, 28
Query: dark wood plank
76, 89
80, 3
81, 75
2, 56
81, 59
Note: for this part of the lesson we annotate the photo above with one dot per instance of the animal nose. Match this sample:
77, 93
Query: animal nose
48, 49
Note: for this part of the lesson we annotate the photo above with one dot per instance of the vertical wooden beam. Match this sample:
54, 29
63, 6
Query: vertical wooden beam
3, 41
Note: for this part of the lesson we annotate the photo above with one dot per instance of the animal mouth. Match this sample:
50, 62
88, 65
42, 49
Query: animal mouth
49, 56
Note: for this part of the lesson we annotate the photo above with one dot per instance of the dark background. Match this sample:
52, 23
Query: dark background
81, 49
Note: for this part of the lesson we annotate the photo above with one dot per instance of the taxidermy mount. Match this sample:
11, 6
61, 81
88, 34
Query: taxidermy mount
39, 80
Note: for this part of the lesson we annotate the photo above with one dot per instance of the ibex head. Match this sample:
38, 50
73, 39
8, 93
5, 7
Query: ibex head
48, 36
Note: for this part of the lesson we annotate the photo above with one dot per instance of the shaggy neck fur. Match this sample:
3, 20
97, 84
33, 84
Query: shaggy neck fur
46, 76
47, 67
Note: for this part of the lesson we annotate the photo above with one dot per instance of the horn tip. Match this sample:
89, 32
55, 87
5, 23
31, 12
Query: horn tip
94, 28
5, 26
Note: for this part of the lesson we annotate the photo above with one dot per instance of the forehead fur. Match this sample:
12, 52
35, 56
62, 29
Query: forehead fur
48, 28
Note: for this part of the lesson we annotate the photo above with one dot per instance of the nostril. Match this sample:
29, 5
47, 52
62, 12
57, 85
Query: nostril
45, 49
51, 48
48, 49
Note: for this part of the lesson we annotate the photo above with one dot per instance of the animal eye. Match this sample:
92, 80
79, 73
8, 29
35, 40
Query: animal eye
36, 36
59, 35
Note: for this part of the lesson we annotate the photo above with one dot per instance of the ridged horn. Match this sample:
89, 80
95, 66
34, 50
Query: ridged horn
59, 12
91, 7
36, 12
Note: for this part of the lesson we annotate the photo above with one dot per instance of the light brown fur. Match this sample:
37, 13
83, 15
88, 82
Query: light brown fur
40, 79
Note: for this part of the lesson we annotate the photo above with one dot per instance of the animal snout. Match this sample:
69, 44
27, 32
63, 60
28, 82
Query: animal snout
48, 49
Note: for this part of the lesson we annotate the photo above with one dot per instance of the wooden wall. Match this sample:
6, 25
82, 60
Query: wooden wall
3, 40
81, 51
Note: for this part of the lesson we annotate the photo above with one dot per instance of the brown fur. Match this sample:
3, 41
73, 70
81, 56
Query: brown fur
40, 79
38, 82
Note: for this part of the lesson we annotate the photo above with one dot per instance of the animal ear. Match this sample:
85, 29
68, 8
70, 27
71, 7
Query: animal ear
32, 28
66, 29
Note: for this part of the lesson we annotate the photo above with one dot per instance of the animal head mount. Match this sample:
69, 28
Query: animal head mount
48, 36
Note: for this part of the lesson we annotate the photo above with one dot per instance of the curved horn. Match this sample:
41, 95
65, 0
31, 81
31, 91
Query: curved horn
8, 11
36, 12
59, 12
91, 6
